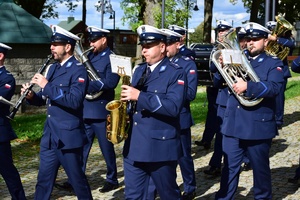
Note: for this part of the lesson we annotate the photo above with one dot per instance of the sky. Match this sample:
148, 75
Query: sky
235, 14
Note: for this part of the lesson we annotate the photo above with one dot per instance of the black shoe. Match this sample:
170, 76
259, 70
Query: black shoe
246, 167
213, 171
65, 186
206, 145
293, 180
188, 196
108, 187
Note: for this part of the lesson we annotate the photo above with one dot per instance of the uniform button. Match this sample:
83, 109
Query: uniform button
60, 84
49, 105
263, 120
155, 91
238, 106
135, 123
136, 112
163, 137
49, 115
101, 102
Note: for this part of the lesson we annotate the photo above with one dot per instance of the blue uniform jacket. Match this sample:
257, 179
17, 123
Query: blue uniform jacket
256, 122
296, 65
7, 89
187, 52
290, 43
155, 122
95, 109
64, 95
190, 68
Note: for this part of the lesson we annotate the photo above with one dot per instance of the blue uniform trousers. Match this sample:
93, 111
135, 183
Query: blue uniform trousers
71, 160
258, 154
9, 172
280, 99
186, 165
216, 159
98, 127
210, 123
138, 176
186, 162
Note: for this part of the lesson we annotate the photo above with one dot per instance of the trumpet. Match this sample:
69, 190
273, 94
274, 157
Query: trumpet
21, 99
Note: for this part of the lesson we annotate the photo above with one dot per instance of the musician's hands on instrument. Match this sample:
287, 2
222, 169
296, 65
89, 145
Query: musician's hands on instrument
129, 93
272, 37
240, 86
24, 88
40, 80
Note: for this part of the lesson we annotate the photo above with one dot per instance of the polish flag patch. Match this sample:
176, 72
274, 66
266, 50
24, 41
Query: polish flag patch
7, 86
192, 71
279, 69
180, 82
81, 80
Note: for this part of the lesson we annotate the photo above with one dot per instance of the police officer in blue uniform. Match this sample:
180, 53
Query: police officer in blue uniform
211, 93
7, 168
153, 146
184, 50
63, 91
186, 163
94, 112
295, 67
186, 120
286, 41
251, 129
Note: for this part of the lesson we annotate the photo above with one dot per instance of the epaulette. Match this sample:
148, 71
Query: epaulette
175, 65
140, 64
79, 64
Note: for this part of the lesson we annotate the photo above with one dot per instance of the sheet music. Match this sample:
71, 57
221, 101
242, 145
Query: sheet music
121, 65
231, 56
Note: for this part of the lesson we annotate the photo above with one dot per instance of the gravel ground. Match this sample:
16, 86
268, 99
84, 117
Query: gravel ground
284, 159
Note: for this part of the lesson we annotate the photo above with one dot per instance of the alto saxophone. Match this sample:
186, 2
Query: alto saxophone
118, 119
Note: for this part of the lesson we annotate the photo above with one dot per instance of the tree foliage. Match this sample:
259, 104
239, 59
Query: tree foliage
45, 9
290, 9
138, 12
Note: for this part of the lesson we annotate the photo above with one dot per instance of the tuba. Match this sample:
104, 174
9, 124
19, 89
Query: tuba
275, 49
230, 71
80, 55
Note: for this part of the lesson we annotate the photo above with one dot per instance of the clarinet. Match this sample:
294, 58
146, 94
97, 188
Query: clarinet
22, 97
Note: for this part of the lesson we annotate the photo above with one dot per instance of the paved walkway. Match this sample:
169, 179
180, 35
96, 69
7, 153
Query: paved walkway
284, 160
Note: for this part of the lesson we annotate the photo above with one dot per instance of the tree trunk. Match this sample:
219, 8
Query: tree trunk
208, 6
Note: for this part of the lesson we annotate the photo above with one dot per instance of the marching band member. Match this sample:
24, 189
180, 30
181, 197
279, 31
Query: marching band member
94, 112
286, 41
63, 91
184, 50
251, 129
186, 120
153, 146
7, 168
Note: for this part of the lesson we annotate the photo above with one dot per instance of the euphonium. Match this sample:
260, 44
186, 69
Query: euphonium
230, 71
80, 55
118, 119
273, 48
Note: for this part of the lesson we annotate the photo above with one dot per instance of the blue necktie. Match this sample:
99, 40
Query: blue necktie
148, 72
